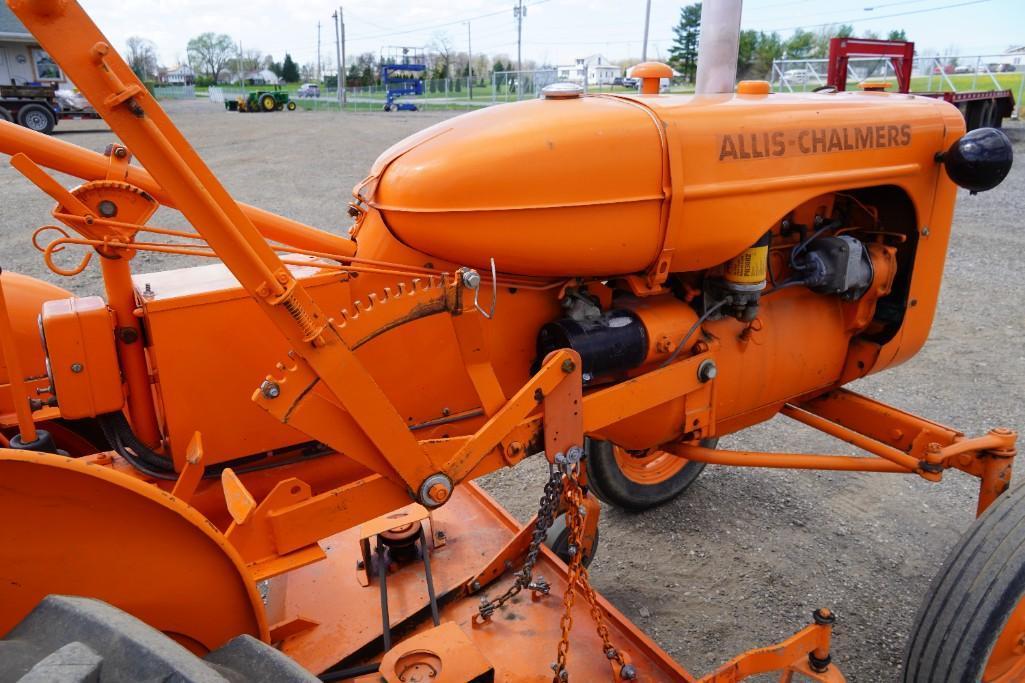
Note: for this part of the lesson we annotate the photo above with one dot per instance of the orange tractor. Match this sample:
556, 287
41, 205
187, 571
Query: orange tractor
261, 468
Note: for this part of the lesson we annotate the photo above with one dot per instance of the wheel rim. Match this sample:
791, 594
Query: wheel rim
36, 120
653, 467
1006, 663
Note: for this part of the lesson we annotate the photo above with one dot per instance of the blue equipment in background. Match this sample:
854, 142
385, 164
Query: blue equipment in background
402, 75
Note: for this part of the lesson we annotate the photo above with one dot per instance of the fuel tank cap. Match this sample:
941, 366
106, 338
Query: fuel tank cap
561, 91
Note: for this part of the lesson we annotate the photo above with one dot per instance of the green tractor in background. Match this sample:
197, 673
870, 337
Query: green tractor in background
261, 100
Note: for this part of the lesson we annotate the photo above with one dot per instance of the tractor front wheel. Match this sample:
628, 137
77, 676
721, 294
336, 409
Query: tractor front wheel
291, 106
638, 481
971, 626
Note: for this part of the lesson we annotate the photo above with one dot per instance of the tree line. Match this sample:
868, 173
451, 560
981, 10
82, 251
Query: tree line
216, 57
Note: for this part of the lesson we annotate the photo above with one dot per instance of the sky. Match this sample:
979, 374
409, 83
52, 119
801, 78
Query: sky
554, 31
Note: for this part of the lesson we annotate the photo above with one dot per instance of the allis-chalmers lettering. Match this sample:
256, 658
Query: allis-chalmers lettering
780, 143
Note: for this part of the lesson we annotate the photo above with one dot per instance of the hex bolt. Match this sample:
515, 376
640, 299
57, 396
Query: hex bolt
76, 367
568, 366
628, 672
471, 279
438, 493
707, 371
925, 231
475, 586
270, 389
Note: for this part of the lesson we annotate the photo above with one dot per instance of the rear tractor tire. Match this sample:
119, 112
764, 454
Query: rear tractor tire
638, 481
268, 103
69, 638
971, 626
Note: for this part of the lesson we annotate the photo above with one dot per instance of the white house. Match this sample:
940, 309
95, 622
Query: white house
21, 59
180, 75
596, 69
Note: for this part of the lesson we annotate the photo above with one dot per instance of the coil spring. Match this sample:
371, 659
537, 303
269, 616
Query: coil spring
306, 319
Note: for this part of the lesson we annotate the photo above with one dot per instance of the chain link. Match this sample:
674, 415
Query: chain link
578, 580
525, 576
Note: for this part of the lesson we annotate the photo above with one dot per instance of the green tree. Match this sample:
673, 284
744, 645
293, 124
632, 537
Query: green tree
499, 66
897, 34
289, 70
770, 48
801, 45
209, 53
757, 52
683, 55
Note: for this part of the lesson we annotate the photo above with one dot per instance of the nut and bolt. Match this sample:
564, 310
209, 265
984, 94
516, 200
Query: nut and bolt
435, 490
925, 231
76, 368
438, 493
628, 672
147, 292
568, 366
270, 389
707, 371
475, 586
471, 279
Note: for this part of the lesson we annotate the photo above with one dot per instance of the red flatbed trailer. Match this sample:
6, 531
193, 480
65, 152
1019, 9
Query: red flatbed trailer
980, 108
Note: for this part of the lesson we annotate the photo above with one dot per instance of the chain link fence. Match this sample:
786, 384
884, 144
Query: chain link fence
971, 73
174, 92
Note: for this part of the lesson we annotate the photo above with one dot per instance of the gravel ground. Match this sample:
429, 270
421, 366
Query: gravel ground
744, 556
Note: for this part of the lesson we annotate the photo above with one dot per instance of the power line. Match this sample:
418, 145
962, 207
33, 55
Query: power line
432, 27
885, 16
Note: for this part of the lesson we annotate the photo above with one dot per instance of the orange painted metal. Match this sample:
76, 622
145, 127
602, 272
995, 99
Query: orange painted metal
15, 374
444, 654
24, 297
84, 366
119, 538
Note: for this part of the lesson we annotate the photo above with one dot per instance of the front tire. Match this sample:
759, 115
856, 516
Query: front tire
638, 482
971, 626
291, 106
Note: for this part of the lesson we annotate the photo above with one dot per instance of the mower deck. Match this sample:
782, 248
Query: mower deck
475, 528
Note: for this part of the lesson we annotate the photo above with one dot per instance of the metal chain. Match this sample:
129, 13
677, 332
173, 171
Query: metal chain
524, 577
578, 580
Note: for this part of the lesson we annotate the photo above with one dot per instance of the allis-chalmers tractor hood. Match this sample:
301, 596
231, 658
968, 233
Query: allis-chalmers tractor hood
604, 185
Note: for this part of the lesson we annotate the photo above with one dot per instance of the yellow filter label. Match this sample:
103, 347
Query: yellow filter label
749, 267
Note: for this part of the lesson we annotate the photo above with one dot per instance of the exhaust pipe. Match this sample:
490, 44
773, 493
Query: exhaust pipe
718, 46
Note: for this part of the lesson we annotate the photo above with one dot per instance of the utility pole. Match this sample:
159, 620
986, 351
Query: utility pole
241, 75
318, 53
340, 56
519, 11
647, 19
469, 59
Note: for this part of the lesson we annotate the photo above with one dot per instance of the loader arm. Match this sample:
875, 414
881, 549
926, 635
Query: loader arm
71, 37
